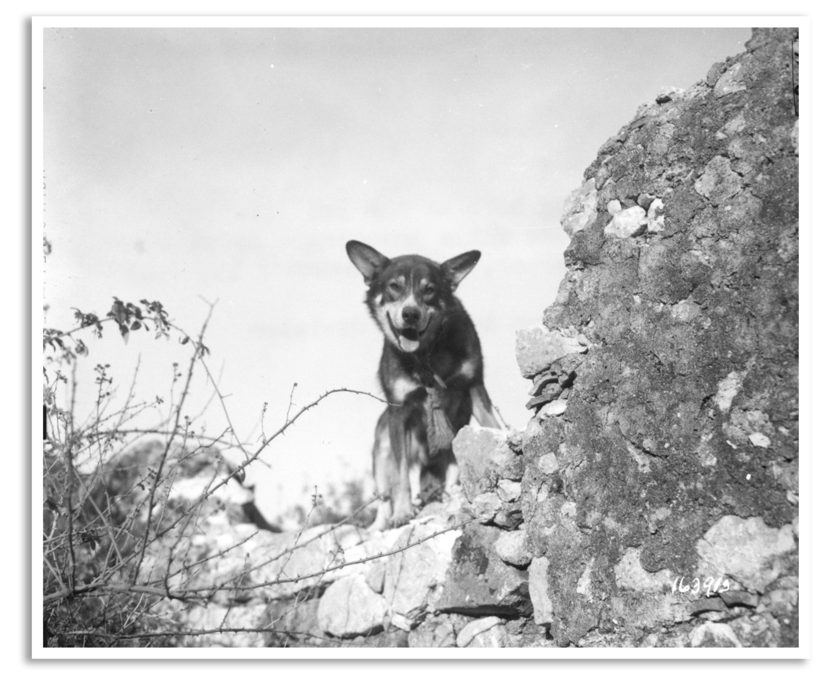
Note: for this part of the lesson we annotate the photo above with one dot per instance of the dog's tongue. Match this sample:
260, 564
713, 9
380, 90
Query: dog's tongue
408, 345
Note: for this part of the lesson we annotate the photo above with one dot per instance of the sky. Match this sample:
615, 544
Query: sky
232, 165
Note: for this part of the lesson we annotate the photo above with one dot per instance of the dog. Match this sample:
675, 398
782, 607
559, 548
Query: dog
431, 372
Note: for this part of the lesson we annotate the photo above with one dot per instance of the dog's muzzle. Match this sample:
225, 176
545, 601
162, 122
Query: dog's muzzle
409, 336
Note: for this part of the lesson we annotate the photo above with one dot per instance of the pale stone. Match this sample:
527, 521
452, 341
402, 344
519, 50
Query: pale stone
718, 182
580, 208
745, 549
537, 348
508, 490
759, 440
538, 587
714, 635
555, 408
486, 506
730, 82
631, 575
627, 223
727, 389
655, 219
483, 632
548, 463
349, 607
511, 547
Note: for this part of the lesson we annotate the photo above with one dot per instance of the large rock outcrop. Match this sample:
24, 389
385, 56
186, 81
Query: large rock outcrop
664, 451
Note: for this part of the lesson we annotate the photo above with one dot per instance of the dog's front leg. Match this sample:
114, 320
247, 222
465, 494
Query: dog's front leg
401, 491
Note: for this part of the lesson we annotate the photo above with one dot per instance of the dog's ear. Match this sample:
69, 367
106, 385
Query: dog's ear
458, 267
367, 259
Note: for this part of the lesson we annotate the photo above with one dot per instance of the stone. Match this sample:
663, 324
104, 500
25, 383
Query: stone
614, 207
718, 182
434, 632
486, 506
548, 464
731, 81
627, 223
555, 408
349, 607
511, 547
484, 632
414, 577
580, 208
508, 490
537, 348
759, 440
479, 582
714, 635
745, 549
655, 217
538, 587
630, 575
484, 456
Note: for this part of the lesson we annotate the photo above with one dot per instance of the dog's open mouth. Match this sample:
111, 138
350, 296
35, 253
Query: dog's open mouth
408, 338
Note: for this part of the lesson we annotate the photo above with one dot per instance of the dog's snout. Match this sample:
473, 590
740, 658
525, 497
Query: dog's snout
411, 315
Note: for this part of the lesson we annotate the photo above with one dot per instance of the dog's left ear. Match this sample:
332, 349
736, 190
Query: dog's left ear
366, 258
458, 267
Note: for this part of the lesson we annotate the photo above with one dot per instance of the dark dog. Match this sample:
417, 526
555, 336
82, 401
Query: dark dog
431, 371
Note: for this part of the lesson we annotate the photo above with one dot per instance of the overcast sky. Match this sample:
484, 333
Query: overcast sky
232, 165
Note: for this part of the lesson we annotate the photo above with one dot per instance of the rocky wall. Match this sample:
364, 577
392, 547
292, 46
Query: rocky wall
663, 456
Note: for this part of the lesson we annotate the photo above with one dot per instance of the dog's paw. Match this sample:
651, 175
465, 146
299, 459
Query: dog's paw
401, 519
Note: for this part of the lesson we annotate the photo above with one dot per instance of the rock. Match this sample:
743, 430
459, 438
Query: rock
548, 464
537, 348
349, 607
693, 367
734, 598
511, 547
713, 635
484, 632
486, 506
630, 575
614, 207
655, 219
718, 182
484, 456
435, 631
296, 616
508, 490
538, 588
555, 408
580, 208
731, 81
745, 549
414, 577
479, 582
759, 440
627, 223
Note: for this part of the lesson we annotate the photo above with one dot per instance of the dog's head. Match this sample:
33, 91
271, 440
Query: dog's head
409, 295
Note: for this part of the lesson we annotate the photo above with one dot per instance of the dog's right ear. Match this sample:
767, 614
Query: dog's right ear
367, 259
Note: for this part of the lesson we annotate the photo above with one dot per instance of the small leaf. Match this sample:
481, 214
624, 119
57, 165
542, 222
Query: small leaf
184, 340
136, 325
125, 333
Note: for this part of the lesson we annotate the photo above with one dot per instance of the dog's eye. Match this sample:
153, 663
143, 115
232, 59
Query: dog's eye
394, 287
428, 290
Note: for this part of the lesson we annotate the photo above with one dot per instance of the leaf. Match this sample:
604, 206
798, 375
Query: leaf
184, 340
125, 333
136, 325
119, 313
